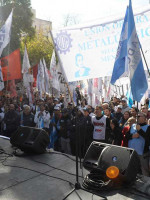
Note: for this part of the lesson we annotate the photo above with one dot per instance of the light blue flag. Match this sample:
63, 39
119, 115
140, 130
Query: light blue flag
129, 98
120, 61
137, 75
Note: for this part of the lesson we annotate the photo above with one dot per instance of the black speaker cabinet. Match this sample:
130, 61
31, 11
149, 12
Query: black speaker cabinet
100, 156
30, 140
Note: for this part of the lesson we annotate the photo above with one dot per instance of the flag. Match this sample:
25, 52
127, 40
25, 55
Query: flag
46, 78
54, 73
120, 61
137, 75
12, 88
5, 33
27, 76
129, 98
11, 66
26, 63
40, 79
1, 80
35, 72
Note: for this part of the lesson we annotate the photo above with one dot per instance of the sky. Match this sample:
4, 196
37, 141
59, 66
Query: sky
84, 10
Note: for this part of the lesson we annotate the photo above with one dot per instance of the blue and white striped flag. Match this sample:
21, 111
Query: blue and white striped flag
137, 75
121, 59
129, 98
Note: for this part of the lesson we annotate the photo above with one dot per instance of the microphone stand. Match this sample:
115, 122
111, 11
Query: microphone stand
77, 183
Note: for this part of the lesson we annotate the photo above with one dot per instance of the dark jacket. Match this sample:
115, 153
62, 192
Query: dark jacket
12, 122
116, 136
27, 120
146, 136
65, 127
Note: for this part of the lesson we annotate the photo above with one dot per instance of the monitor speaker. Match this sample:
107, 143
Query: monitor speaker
30, 140
101, 156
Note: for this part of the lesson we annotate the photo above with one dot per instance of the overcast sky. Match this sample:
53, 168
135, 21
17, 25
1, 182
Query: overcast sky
85, 10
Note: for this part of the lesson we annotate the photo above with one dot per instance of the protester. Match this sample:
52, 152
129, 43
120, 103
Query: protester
11, 121
124, 119
42, 118
27, 118
125, 107
65, 131
54, 130
115, 136
101, 125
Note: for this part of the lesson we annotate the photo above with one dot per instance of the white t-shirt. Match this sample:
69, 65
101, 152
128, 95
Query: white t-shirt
99, 128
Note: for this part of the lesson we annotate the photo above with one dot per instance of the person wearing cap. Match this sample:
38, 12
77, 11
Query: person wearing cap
101, 125
54, 130
118, 114
125, 107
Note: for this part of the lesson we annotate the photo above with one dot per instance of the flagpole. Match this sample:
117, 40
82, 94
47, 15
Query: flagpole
62, 69
145, 60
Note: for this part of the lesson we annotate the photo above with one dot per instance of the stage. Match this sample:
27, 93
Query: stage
51, 176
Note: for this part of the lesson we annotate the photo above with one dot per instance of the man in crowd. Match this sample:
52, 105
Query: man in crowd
101, 125
118, 114
125, 107
27, 118
11, 121
42, 118
144, 130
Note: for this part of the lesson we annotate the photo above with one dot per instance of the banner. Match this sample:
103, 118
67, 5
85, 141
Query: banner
89, 52
11, 66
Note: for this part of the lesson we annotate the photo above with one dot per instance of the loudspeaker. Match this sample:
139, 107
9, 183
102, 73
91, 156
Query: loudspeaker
30, 140
101, 156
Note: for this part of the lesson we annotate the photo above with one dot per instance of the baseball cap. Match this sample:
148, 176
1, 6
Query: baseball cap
56, 108
123, 99
119, 106
56, 99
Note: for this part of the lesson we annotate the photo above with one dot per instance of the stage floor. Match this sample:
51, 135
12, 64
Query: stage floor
51, 176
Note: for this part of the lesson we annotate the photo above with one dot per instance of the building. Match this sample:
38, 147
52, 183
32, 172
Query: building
41, 25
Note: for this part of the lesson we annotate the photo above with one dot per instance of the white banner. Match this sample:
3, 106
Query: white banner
89, 52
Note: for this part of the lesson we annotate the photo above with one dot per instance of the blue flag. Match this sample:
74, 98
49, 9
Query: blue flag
129, 98
120, 61
137, 75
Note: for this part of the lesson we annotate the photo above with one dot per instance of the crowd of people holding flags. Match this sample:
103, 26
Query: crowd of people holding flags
112, 122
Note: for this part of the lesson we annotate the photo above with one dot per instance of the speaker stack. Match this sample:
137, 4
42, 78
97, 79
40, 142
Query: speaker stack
30, 140
101, 156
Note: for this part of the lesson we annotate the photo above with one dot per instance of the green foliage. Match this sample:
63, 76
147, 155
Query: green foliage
21, 23
38, 47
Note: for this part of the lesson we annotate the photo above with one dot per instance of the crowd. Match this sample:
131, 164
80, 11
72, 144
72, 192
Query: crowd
111, 122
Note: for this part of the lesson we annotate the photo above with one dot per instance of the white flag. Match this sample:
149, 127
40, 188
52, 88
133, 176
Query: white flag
5, 32
46, 78
26, 63
40, 79
1, 80
27, 77
54, 73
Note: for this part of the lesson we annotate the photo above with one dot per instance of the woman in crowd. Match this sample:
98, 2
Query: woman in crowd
124, 119
115, 133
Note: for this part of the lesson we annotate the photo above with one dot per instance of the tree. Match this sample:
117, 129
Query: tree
71, 19
38, 47
22, 21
